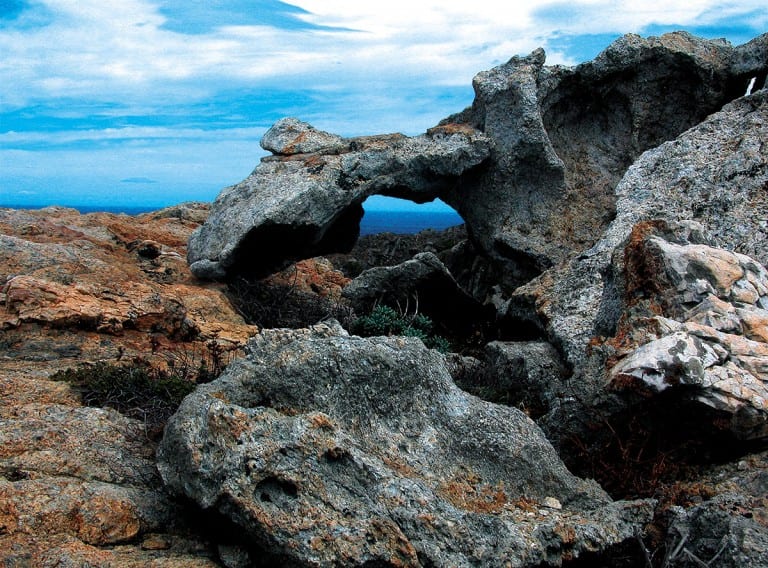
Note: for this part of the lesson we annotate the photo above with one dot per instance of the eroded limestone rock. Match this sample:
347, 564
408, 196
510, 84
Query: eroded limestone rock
327, 448
307, 204
708, 340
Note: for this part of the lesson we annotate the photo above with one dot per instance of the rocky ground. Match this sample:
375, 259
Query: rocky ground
597, 396
78, 485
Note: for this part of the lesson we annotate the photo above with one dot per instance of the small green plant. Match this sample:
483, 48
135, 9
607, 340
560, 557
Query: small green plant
384, 320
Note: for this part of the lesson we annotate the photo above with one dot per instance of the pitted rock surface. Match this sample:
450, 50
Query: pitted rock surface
327, 448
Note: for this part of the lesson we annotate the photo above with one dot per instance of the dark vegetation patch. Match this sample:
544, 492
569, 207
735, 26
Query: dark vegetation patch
640, 452
143, 390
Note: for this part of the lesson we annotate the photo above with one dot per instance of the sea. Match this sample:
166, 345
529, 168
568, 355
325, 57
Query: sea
374, 221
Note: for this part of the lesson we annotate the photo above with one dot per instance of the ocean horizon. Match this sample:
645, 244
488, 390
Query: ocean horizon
404, 222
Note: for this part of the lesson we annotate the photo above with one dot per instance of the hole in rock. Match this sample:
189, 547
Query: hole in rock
276, 490
399, 216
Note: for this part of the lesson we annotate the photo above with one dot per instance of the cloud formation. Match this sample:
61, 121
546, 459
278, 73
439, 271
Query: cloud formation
149, 78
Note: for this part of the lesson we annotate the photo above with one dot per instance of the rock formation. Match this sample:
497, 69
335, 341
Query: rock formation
612, 214
307, 199
615, 230
590, 305
531, 166
335, 450
563, 137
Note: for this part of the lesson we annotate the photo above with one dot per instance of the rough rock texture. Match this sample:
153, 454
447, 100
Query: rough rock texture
563, 137
291, 136
337, 450
715, 174
107, 281
78, 485
301, 205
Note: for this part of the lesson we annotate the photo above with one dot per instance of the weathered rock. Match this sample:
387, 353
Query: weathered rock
559, 140
583, 302
313, 276
290, 136
305, 205
564, 137
101, 274
78, 486
330, 449
422, 284
690, 305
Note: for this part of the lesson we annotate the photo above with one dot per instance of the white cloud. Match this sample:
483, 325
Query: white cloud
120, 49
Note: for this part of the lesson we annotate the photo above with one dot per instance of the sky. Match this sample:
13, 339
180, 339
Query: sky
151, 102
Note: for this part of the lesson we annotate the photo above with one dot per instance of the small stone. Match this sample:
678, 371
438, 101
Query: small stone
552, 503
156, 542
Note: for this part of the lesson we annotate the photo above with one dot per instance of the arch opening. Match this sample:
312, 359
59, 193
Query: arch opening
400, 216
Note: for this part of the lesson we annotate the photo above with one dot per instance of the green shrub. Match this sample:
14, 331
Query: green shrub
384, 320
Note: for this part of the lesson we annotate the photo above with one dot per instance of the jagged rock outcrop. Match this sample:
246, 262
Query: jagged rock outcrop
714, 174
697, 324
563, 137
330, 449
298, 205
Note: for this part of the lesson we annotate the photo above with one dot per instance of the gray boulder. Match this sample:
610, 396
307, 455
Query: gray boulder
298, 205
335, 450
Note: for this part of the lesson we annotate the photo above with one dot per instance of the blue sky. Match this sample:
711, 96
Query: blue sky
152, 102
